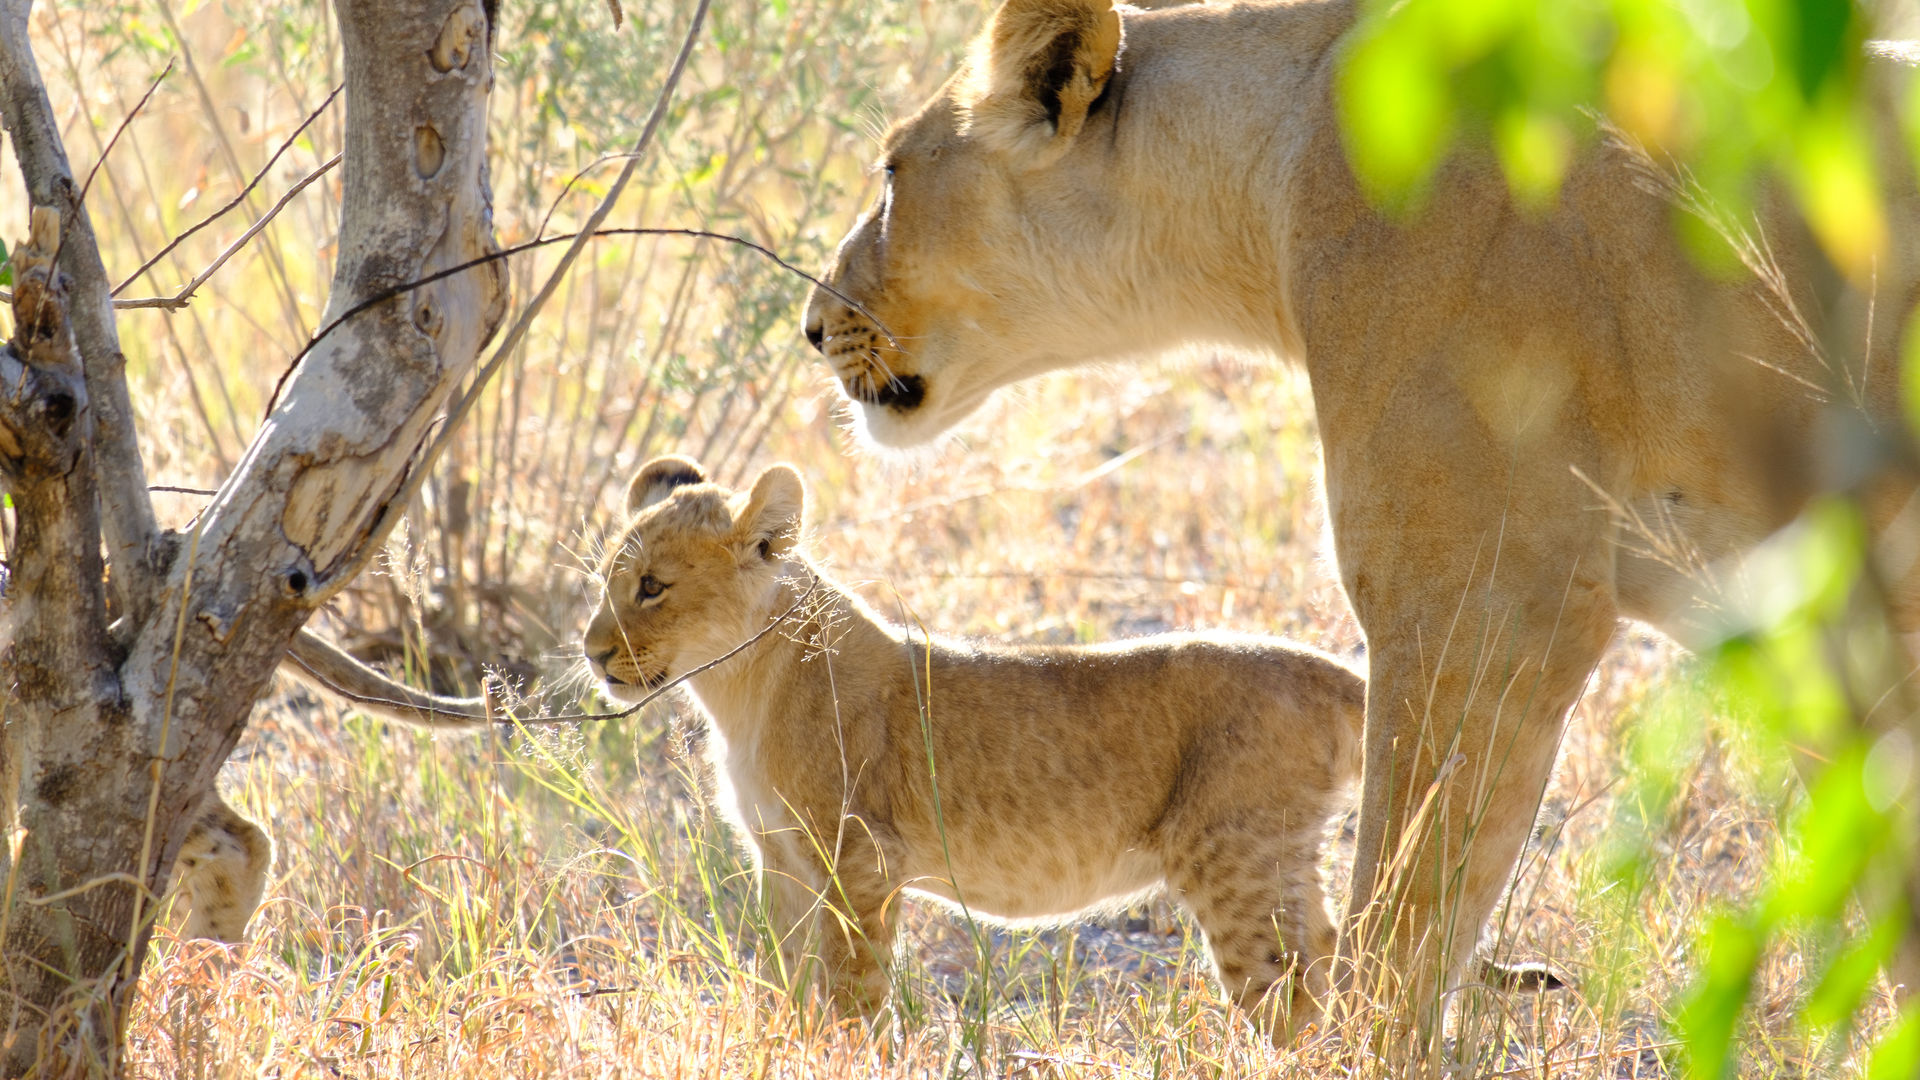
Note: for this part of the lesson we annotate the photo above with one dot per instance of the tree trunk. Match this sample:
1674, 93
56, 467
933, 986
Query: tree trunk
115, 735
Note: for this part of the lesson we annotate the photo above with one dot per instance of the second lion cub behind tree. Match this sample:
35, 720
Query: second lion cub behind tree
1068, 778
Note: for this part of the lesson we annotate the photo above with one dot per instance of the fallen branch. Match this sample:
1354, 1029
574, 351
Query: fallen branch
332, 670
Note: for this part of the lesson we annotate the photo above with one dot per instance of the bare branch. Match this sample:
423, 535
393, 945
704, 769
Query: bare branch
181, 298
240, 198
185, 294
127, 514
561, 238
176, 489
775, 623
333, 670
114, 139
326, 666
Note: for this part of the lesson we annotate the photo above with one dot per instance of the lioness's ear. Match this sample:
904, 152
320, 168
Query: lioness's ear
770, 522
1036, 72
657, 479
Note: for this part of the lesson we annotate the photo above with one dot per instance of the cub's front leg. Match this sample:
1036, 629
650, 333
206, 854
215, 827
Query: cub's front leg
834, 925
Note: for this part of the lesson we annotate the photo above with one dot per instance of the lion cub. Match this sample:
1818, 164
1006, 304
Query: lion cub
1068, 778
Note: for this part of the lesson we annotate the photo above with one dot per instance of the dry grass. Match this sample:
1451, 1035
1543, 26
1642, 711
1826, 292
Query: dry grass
559, 905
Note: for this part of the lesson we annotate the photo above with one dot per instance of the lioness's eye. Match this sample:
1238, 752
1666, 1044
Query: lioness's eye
651, 587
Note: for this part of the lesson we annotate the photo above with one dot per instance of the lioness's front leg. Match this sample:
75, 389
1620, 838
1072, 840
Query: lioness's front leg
1482, 576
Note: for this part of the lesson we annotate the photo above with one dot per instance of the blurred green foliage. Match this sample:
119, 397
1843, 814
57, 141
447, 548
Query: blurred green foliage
1739, 94
1734, 89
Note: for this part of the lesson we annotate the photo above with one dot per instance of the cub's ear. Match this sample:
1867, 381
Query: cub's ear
769, 523
1036, 72
657, 479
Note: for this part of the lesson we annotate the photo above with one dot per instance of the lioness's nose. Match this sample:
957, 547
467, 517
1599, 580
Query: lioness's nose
816, 332
600, 662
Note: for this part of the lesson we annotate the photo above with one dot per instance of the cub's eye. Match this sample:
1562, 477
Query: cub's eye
651, 587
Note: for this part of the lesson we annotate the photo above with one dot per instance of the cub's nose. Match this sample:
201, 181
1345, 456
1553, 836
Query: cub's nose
816, 334
599, 664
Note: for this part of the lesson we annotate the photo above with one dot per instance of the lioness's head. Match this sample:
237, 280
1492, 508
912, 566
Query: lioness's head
692, 575
984, 259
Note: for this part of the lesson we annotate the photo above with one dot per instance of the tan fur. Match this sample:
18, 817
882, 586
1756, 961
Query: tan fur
223, 863
222, 868
1534, 424
1069, 778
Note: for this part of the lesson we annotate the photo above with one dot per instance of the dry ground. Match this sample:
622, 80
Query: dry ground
558, 904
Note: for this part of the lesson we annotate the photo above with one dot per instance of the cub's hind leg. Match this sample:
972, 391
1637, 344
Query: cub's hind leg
1254, 887
222, 868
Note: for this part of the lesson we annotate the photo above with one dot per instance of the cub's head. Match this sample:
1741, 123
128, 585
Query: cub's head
987, 256
692, 575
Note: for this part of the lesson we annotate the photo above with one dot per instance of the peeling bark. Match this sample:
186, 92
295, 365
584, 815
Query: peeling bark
68, 749
112, 739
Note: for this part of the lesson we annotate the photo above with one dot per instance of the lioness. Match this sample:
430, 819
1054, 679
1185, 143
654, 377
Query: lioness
1509, 400
1067, 778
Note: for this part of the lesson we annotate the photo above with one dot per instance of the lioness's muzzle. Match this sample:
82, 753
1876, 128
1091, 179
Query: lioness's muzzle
902, 392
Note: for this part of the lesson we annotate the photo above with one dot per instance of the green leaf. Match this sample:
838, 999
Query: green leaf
1713, 1008
1534, 149
1822, 42
1839, 188
1397, 112
1853, 973
1839, 836
1898, 1055
6, 265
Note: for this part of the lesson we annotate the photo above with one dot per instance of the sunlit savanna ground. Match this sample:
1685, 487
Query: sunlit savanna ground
560, 905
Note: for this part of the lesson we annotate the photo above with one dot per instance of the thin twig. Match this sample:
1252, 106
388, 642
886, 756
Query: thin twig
177, 490
118, 877
574, 179
237, 199
156, 765
180, 299
111, 141
507, 719
421, 464
598, 234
